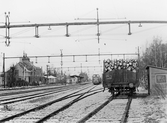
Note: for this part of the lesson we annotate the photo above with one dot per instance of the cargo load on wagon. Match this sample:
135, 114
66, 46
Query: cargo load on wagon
120, 75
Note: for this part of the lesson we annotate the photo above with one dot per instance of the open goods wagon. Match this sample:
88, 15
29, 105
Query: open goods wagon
121, 75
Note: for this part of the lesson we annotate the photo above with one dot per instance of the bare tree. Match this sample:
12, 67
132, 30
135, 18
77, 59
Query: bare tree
155, 55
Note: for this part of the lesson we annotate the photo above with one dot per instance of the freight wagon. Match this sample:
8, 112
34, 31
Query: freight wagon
121, 75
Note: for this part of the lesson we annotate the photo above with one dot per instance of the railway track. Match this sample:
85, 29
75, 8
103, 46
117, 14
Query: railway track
118, 109
41, 107
14, 99
80, 97
29, 90
121, 111
88, 116
27, 97
125, 115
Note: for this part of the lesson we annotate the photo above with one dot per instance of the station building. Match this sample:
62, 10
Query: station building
25, 70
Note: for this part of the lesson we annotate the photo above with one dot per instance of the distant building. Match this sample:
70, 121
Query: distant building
75, 79
25, 70
51, 79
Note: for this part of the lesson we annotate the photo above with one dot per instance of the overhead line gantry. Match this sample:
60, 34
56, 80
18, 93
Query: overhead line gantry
8, 26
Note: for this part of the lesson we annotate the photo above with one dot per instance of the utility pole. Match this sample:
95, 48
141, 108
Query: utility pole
47, 69
4, 69
155, 56
81, 67
97, 23
161, 58
99, 54
98, 33
61, 50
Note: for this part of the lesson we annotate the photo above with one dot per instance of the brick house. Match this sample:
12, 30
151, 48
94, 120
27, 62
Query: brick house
25, 70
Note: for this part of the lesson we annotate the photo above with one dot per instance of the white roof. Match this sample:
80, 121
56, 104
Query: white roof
50, 77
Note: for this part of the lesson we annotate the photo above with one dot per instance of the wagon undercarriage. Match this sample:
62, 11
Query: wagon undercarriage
122, 90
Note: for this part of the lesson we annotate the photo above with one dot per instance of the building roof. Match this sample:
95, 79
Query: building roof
76, 76
50, 77
148, 66
26, 64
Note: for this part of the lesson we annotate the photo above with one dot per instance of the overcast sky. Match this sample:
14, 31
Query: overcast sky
83, 39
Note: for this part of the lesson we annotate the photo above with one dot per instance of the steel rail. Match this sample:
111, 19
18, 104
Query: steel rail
40, 90
28, 97
39, 107
25, 87
67, 105
125, 115
92, 92
88, 116
26, 91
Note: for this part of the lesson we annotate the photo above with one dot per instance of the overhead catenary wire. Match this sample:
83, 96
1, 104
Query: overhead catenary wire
8, 26
21, 32
51, 30
83, 29
103, 33
152, 28
71, 55
86, 14
2, 35
111, 29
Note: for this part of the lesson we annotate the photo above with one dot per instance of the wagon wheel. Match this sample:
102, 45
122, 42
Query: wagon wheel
112, 91
131, 92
